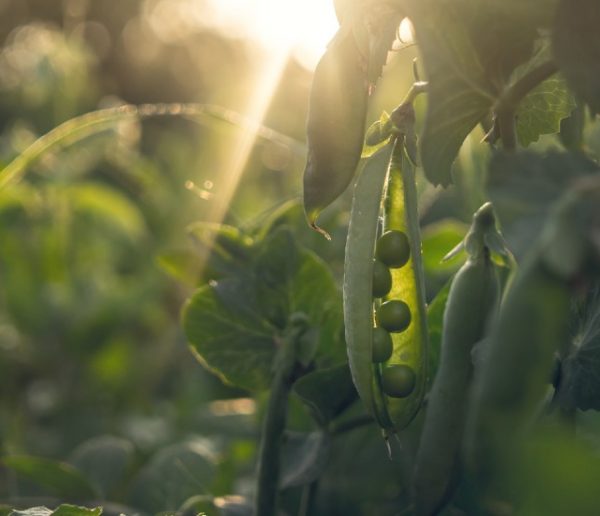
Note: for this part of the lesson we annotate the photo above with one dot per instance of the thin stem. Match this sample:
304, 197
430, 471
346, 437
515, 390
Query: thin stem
309, 493
273, 428
508, 103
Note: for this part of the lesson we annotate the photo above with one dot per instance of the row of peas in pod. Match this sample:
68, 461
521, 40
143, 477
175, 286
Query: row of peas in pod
393, 315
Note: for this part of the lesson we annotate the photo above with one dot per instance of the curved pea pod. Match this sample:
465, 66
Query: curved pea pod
472, 301
403, 374
335, 127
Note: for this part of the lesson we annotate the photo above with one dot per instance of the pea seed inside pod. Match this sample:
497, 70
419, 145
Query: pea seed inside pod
398, 381
393, 316
393, 249
382, 345
382, 279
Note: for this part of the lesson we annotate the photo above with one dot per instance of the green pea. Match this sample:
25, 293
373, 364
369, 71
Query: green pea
398, 381
382, 345
393, 315
393, 249
382, 279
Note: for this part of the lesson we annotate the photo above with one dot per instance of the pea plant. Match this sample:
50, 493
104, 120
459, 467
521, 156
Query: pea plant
398, 368
485, 388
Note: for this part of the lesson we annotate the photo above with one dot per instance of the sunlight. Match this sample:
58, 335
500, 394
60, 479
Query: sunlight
282, 29
242, 141
304, 27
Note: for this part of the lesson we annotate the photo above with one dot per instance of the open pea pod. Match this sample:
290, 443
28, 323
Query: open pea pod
390, 381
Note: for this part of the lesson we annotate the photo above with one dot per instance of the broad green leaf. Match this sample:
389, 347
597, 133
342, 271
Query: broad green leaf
576, 47
523, 188
58, 478
469, 49
303, 457
328, 392
238, 346
105, 461
234, 325
175, 474
580, 381
335, 127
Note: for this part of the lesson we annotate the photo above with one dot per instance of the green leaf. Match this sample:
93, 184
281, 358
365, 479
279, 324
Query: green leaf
303, 457
58, 478
328, 392
234, 324
335, 127
108, 205
174, 474
580, 369
523, 188
469, 49
542, 110
576, 47
105, 461
438, 239
237, 345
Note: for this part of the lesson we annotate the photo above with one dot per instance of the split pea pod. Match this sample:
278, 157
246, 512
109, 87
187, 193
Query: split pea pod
392, 387
472, 300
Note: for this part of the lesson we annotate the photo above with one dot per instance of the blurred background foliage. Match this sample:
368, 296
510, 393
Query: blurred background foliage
94, 368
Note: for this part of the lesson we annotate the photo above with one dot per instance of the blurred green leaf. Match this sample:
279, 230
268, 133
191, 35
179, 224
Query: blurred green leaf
576, 47
107, 205
303, 457
57, 477
558, 475
580, 382
328, 392
105, 461
175, 474
523, 188
438, 239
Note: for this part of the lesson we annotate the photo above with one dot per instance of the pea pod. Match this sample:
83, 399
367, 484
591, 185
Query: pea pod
335, 127
403, 374
533, 325
472, 300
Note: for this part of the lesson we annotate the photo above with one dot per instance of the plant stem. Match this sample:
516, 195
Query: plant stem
509, 101
273, 428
